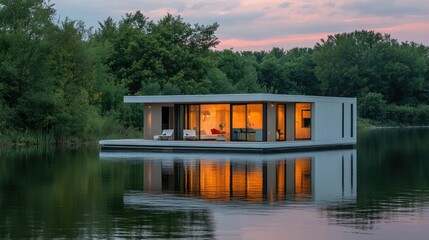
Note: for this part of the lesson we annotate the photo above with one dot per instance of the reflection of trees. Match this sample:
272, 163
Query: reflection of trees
47, 193
158, 223
392, 178
55, 193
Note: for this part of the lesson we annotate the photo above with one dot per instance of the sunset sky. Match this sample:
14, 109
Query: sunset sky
264, 24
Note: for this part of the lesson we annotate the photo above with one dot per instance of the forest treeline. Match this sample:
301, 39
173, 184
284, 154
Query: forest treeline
65, 81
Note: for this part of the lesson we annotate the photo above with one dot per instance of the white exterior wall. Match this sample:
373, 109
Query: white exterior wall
290, 122
152, 120
327, 121
271, 122
348, 121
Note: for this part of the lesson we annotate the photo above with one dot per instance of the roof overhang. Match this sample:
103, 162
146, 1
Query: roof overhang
232, 98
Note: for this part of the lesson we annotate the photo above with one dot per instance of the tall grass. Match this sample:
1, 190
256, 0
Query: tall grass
108, 128
17, 138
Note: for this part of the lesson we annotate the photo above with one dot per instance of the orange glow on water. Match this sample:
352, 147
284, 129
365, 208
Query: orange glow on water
302, 176
214, 180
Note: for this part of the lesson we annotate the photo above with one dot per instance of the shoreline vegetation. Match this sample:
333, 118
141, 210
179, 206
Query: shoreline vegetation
27, 139
63, 84
371, 124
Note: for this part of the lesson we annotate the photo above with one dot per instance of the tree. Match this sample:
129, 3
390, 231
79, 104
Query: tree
339, 61
232, 64
168, 51
275, 73
406, 71
218, 82
299, 65
249, 82
26, 88
353, 64
73, 115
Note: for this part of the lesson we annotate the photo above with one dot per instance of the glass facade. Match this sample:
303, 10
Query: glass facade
245, 122
241, 122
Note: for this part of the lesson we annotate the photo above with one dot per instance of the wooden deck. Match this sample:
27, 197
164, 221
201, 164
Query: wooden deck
220, 146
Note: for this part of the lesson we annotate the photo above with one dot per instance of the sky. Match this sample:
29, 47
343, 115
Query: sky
255, 25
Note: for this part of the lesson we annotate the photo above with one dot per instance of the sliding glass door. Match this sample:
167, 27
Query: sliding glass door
239, 123
255, 122
247, 122
192, 121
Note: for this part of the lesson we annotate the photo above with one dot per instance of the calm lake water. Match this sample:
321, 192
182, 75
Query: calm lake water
380, 190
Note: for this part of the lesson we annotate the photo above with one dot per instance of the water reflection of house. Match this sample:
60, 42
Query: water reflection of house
323, 176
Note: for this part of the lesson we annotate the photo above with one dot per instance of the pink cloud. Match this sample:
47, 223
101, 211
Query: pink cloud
303, 40
409, 27
161, 12
415, 32
298, 23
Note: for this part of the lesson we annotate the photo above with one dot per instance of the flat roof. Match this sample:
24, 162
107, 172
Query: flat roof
233, 98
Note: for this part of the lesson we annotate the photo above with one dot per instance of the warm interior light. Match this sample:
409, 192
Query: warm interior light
215, 119
303, 121
206, 114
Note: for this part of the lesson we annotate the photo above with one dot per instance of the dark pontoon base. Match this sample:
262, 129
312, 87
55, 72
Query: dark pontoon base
218, 149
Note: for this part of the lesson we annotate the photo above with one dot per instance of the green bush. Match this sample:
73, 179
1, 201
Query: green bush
408, 115
372, 106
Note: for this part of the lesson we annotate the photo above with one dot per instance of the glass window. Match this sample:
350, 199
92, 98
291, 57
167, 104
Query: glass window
254, 122
215, 120
281, 122
351, 120
193, 122
247, 122
303, 121
238, 123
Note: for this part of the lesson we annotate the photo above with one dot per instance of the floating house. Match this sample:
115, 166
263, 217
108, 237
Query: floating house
242, 122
